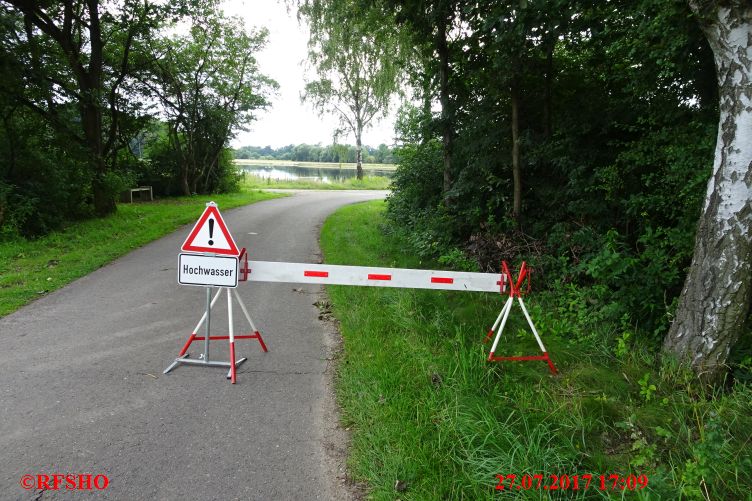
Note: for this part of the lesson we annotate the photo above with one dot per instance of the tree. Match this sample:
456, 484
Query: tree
78, 53
429, 24
715, 300
209, 85
355, 59
615, 126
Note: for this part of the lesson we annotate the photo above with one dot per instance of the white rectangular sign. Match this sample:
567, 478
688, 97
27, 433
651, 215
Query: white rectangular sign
215, 271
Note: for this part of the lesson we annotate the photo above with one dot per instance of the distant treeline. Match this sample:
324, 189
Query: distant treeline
343, 153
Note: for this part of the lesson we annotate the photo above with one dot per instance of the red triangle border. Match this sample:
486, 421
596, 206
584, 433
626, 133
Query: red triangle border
188, 244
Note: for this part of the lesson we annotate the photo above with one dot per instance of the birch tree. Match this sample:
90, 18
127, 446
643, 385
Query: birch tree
355, 59
715, 300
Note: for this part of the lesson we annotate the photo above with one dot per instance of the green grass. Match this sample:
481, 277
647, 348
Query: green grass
30, 269
313, 165
367, 183
426, 409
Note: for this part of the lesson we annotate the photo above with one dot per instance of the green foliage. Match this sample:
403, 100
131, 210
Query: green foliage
159, 167
74, 125
209, 86
43, 182
617, 126
416, 194
646, 389
69, 63
355, 55
623, 345
456, 259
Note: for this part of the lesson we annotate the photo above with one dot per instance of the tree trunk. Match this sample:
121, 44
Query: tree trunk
104, 201
194, 184
715, 300
91, 120
184, 186
359, 153
517, 196
442, 47
547, 120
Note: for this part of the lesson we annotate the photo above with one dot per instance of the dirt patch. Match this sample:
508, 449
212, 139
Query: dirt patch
336, 438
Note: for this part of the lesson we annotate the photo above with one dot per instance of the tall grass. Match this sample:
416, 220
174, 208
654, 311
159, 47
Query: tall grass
430, 416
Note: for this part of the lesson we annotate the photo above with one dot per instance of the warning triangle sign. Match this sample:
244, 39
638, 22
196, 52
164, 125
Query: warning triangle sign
210, 234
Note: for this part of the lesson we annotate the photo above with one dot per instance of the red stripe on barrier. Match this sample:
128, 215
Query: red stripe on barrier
372, 276
316, 274
442, 280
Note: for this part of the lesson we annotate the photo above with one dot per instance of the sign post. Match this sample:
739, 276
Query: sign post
210, 259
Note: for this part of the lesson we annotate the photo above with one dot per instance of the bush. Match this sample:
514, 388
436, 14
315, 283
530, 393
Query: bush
43, 182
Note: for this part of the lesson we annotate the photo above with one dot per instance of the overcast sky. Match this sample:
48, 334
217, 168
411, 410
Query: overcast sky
288, 121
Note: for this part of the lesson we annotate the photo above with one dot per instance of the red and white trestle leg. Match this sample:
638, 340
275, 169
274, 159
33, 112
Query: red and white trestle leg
184, 356
515, 292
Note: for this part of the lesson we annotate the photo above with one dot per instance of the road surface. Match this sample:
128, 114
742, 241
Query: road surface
82, 389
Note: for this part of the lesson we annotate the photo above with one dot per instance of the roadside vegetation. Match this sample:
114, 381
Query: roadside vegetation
591, 139
31, 268
431, 419
76, 130
367, 183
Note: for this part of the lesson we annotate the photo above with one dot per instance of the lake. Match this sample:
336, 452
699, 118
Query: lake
320, 174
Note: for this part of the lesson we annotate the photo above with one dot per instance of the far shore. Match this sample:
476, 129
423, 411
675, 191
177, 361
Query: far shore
313, 165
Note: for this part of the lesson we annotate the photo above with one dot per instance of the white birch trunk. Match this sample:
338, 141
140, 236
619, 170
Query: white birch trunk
715, 301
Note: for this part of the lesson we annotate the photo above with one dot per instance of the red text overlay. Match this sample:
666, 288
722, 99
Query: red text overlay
612, 482
65, 482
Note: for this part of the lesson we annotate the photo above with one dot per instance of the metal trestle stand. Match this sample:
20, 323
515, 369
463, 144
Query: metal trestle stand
203, 358
515, 291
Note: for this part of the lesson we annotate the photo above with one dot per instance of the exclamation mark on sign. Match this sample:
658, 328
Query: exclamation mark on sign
211, 231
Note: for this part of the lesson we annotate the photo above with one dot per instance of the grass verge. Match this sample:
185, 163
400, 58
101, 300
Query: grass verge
431, 419
32, 268
367, 183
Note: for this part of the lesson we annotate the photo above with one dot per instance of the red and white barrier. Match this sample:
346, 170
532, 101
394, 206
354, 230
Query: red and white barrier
327, 274
206, 243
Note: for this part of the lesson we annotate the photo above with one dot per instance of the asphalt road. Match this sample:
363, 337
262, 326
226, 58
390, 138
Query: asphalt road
82, 389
